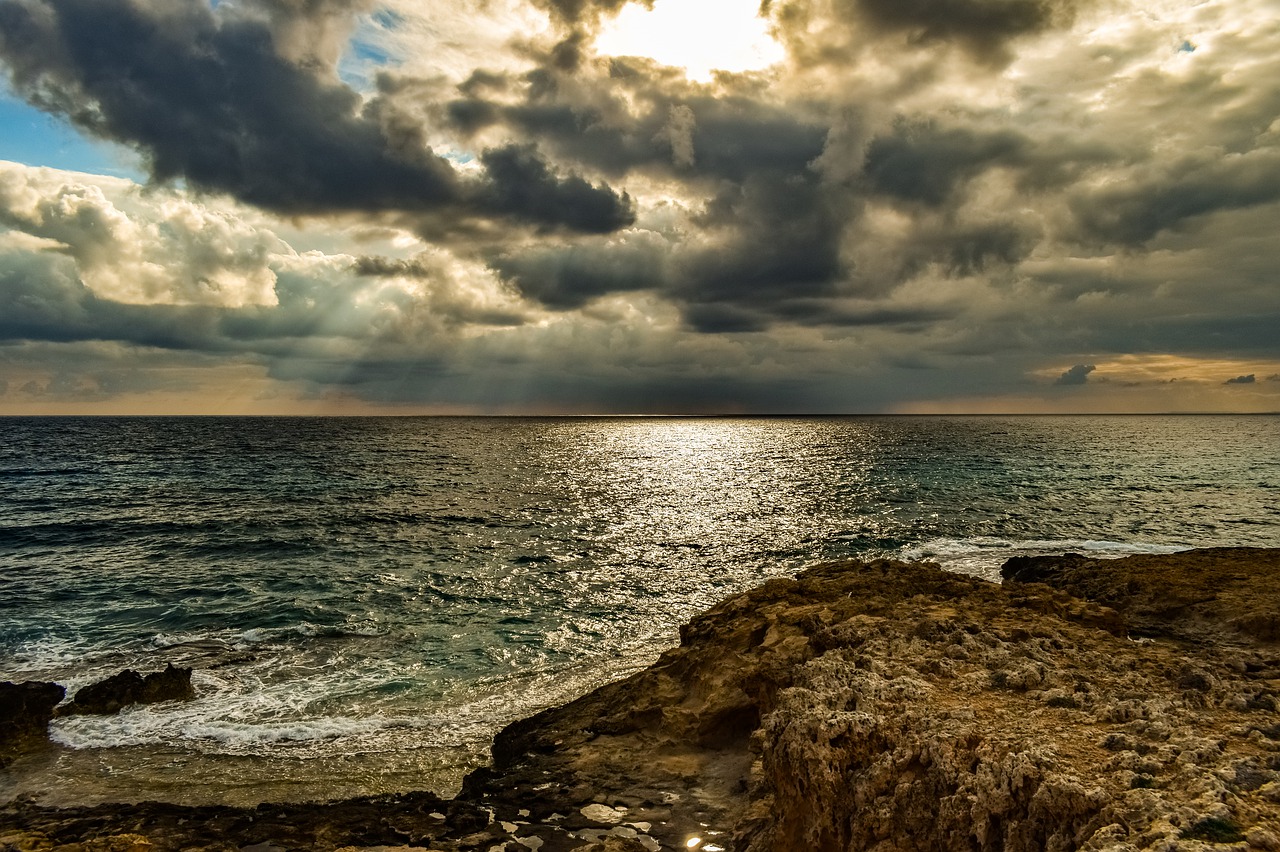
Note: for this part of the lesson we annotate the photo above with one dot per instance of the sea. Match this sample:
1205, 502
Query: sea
366, 601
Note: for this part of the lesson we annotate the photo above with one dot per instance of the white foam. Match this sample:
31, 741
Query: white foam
246, 710
982, 556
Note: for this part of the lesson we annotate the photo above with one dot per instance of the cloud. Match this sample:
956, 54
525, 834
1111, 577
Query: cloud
637, 118
1242, 380
925, 162
158, 248
1174, 194
211, 99
982, 26
311, 32
567, 277
522, 184
678, 133
427, 204
985, 30
1076, 375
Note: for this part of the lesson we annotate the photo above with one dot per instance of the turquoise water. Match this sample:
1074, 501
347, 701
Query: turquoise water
366, 601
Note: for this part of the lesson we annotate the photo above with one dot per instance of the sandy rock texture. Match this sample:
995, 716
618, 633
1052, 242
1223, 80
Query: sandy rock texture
1117, 705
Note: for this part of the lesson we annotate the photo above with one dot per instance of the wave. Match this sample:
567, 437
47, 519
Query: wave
210, 733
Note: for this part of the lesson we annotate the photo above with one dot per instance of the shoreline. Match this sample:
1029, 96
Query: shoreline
1128, 704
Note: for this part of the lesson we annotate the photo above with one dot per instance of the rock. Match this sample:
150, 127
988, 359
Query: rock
129, 687
394, 821
25, 711
613, 844
1215, 594
603, 813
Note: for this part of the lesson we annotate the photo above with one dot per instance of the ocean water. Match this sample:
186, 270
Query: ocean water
367, 600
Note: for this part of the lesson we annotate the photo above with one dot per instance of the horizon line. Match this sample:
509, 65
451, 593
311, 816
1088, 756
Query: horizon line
656, 416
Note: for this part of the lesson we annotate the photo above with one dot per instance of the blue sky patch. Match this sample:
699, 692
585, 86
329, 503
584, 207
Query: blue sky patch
35, 138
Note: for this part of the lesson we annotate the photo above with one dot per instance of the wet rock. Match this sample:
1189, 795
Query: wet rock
130, 687
613, 844
25, 711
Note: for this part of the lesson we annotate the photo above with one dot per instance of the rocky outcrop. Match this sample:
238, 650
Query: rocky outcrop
27, 708
129, 687
989, 720
25, 711
879, 706
895, 706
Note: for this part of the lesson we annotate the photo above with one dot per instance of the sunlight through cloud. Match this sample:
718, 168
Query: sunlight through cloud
701, 36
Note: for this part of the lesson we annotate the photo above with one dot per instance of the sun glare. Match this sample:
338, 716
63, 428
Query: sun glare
701, 36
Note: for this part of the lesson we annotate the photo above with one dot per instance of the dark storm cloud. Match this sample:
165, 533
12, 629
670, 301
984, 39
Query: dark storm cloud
1135, 211
782, 242
1077, 375
969, 251
388, 267
959, 250
982, 26
774, 223
822, 30
1242, 380
578, 11
639, 120
769, 229
522, 184
1188, 327
567, 277
769, 241
598, 388
212, 100
924, 162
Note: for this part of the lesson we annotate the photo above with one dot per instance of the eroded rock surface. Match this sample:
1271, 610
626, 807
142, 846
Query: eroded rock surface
865, 706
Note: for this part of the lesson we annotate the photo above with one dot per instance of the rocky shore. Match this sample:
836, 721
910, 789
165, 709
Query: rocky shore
1081, 704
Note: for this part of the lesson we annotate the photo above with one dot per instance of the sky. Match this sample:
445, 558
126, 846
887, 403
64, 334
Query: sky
608, 207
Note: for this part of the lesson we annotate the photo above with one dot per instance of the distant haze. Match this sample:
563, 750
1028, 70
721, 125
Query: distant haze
594, 206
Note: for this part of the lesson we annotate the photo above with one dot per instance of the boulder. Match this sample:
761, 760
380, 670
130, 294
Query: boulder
129, 687
25, 711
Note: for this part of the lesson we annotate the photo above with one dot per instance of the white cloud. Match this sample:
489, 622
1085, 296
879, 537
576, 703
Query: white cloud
152, 247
